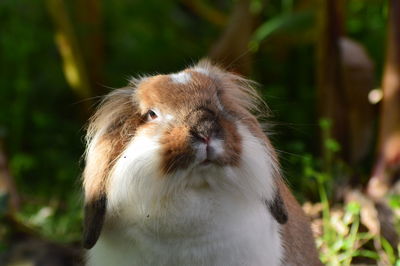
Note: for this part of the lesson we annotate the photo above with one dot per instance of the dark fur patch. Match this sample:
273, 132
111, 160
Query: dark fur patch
278, 209
203, 123
93, 221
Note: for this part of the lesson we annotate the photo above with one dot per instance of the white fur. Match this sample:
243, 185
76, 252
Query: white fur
181, 77
169, 117
202, 70
171, 220
219, 105
201, 152
217, 145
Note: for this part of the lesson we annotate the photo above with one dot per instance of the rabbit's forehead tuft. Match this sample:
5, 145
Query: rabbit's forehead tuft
188, 88
182, 77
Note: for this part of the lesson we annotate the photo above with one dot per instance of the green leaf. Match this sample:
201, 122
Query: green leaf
325, 123
366, 253
286, 22
388, 250
394, 201
353, 208
332, 145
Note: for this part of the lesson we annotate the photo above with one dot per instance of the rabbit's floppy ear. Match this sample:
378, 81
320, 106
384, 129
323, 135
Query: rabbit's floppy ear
98, 157
277, 205
278, 209
95, 211
98, 165
109, 131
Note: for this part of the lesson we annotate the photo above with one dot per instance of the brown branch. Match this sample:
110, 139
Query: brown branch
231, 50
207, 12
75, 69
91, 40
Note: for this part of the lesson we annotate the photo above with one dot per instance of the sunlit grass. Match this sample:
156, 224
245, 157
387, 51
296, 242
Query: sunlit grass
341, 236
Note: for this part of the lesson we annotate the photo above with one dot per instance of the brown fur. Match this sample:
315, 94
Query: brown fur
298, 240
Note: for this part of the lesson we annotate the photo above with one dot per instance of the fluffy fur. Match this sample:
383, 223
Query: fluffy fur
179, 172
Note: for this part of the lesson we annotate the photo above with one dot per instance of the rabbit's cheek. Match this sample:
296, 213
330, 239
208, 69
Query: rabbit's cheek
177, 152
232, 144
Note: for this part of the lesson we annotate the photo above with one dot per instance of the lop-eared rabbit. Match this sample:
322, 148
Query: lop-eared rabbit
179, 172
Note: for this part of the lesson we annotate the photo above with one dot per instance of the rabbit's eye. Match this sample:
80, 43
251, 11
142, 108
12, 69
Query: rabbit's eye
151, 115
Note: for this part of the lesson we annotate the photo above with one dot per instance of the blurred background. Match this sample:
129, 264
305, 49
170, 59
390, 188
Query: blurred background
328, 69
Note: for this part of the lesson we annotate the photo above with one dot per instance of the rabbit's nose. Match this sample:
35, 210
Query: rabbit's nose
201, 137
206, 140
203, 125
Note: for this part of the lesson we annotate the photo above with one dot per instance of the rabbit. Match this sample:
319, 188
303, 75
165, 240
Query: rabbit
179, 172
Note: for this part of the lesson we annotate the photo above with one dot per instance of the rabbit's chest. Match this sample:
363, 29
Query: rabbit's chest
249, 239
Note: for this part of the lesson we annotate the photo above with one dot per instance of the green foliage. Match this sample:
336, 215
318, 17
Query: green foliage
37, 112
57, 220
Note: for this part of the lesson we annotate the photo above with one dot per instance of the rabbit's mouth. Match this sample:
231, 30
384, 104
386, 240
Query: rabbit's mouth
209, 152
206, 162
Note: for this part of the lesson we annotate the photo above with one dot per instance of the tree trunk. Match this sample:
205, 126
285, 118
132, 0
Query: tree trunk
345, 76
331, 94
358, 80
91, 40
387, 165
